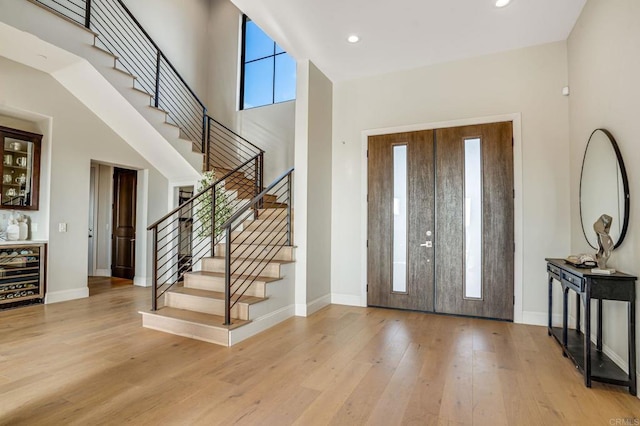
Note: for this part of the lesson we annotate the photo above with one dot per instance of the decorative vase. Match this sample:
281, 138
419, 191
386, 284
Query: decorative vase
23, 230
13, 232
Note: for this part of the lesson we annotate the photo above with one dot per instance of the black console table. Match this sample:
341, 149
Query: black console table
595, 365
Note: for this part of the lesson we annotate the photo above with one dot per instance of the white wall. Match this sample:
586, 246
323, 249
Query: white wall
312, 189
270, 127
180, 29
526, 81
77, 137
604, 66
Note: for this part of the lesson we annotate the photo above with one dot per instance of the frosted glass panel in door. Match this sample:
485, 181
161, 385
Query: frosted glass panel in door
400, 218
472, 219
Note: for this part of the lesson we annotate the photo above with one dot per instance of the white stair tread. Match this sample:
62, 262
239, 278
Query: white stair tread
214, 295
196, 317
235, 276
261, 246
242, 259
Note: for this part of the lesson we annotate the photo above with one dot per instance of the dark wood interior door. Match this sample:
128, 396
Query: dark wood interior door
456, 262
400, 185
495, 298
124, 223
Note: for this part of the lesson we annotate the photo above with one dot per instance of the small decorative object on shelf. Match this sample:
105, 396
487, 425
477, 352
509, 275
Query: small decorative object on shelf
17, 228
13, 230
23, 228
21, 274
605, 244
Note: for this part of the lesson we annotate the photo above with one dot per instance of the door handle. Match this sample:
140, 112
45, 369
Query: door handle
427, 243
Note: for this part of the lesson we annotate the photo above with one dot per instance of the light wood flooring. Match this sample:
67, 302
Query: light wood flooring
90, 362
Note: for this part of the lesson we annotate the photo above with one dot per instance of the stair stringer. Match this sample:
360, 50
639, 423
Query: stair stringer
279, 306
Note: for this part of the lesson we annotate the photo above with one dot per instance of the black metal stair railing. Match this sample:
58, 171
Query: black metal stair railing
226, 149
250, 245
191, 231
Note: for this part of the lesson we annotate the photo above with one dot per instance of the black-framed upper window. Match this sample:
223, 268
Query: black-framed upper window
268, 72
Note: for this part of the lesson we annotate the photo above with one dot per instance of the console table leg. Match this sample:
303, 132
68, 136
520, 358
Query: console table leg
578, 306
599, 331
565, 304
550, 304
587, 339
633, 378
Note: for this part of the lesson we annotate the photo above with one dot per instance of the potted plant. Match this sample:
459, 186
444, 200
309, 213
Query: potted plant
203, 212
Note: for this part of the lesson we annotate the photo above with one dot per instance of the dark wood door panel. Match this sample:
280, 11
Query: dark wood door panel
419, 294
497, 221
449, 237
380, 187
421, 218
124, 223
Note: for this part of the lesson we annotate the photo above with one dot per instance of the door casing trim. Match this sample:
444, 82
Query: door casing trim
516, 119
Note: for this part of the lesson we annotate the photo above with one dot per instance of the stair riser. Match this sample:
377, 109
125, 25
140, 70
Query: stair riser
205, 305
222, 171
191, 330
258, 237
244, 194
265, 225
271, 270
257, 288
272, 214
282, 253
234, 183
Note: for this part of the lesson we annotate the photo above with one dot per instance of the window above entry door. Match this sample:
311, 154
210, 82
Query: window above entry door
268, 72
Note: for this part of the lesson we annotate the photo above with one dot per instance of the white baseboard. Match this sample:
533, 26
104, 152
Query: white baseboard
65, 295
260, 324
300, 309
348, 299
313, 306
142, 281
103, 272
539, 318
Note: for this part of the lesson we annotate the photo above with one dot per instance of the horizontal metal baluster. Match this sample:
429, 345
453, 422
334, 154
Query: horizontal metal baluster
65, 10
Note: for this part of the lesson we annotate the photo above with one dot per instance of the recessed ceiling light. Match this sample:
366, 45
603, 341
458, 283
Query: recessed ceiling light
353, 38
502, 3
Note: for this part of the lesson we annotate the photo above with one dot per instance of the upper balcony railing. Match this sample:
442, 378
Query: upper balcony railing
120, 33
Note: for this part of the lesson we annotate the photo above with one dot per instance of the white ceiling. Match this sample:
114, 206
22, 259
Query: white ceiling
405, 34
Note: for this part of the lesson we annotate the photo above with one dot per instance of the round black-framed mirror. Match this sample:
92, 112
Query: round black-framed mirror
604, 187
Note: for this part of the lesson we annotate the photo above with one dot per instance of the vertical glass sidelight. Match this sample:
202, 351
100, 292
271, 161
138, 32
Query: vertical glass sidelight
472, 219
399, 279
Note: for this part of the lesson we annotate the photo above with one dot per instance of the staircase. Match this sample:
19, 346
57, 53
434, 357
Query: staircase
196, 307
238, 279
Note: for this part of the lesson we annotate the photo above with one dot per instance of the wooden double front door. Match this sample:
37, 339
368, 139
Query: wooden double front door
440, 221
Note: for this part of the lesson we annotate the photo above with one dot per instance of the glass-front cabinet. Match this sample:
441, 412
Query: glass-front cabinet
20, 170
